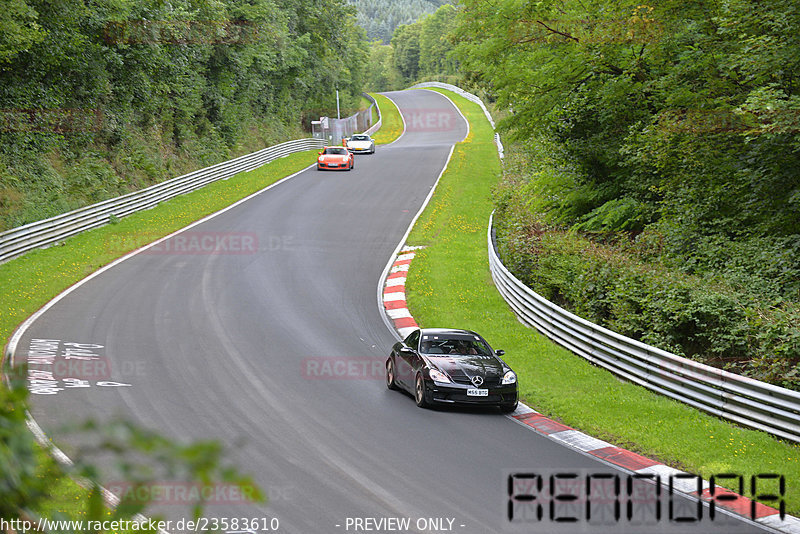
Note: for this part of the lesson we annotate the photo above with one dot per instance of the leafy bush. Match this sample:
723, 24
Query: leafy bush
705, 320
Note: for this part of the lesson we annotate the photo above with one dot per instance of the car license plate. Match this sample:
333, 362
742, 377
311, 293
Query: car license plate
477, 393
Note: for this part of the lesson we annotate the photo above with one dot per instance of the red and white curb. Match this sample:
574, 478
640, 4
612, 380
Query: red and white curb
396, 308
394, 293
638, 464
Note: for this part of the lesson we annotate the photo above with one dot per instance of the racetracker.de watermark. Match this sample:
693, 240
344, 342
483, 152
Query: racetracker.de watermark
184, 493
191, 243
343, 368
430, 120
183, 32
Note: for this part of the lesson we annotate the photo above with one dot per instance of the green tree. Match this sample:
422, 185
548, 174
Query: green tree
435, 46
18, 29
405, 42
107, 96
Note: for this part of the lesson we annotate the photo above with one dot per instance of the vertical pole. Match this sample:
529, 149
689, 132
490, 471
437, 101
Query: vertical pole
338, 116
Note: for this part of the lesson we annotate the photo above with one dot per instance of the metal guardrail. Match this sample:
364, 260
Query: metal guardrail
743, 400
46, 232
377, 126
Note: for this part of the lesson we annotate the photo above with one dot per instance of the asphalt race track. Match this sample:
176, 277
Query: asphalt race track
248, 347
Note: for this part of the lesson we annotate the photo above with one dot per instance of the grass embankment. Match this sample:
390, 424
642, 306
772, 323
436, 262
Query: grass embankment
391, 122
28, 282
449, 285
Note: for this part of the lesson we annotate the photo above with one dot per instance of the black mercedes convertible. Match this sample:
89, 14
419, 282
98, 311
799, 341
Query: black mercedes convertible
447, 366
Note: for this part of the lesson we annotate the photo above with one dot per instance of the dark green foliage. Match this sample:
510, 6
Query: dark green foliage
105, 97
419, 51
381, 73
380, 17
702, 319
30, 480
675, 124
685, 114
405, 42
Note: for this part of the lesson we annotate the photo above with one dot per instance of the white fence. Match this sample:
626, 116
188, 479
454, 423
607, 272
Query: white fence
737, 398
38, 234
333, 130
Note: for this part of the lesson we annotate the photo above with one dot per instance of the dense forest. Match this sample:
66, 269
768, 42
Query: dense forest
380, 17
99, 98
419, 51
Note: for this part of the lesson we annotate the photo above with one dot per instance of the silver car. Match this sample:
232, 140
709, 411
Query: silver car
361, 144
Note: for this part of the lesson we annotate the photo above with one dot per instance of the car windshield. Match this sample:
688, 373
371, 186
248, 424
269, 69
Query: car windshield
359, 138
454, 344
336, 151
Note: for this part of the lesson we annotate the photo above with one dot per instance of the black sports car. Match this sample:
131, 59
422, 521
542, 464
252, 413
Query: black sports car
447, 366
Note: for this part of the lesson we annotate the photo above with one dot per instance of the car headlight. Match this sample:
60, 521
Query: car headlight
509, 378
438, 376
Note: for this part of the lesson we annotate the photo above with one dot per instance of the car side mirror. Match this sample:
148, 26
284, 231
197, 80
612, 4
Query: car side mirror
320, 153
499, 352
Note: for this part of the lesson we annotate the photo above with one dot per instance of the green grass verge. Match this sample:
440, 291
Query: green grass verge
28, 282
391, 122
449, 285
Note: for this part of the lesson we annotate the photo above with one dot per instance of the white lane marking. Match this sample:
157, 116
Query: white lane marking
400, 245
399, 268
405, 128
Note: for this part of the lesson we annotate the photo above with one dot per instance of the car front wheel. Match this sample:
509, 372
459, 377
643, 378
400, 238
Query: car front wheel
390, 383
508, 408
419, 392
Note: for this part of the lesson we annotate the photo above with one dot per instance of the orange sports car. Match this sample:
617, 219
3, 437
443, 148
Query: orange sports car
336, 158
